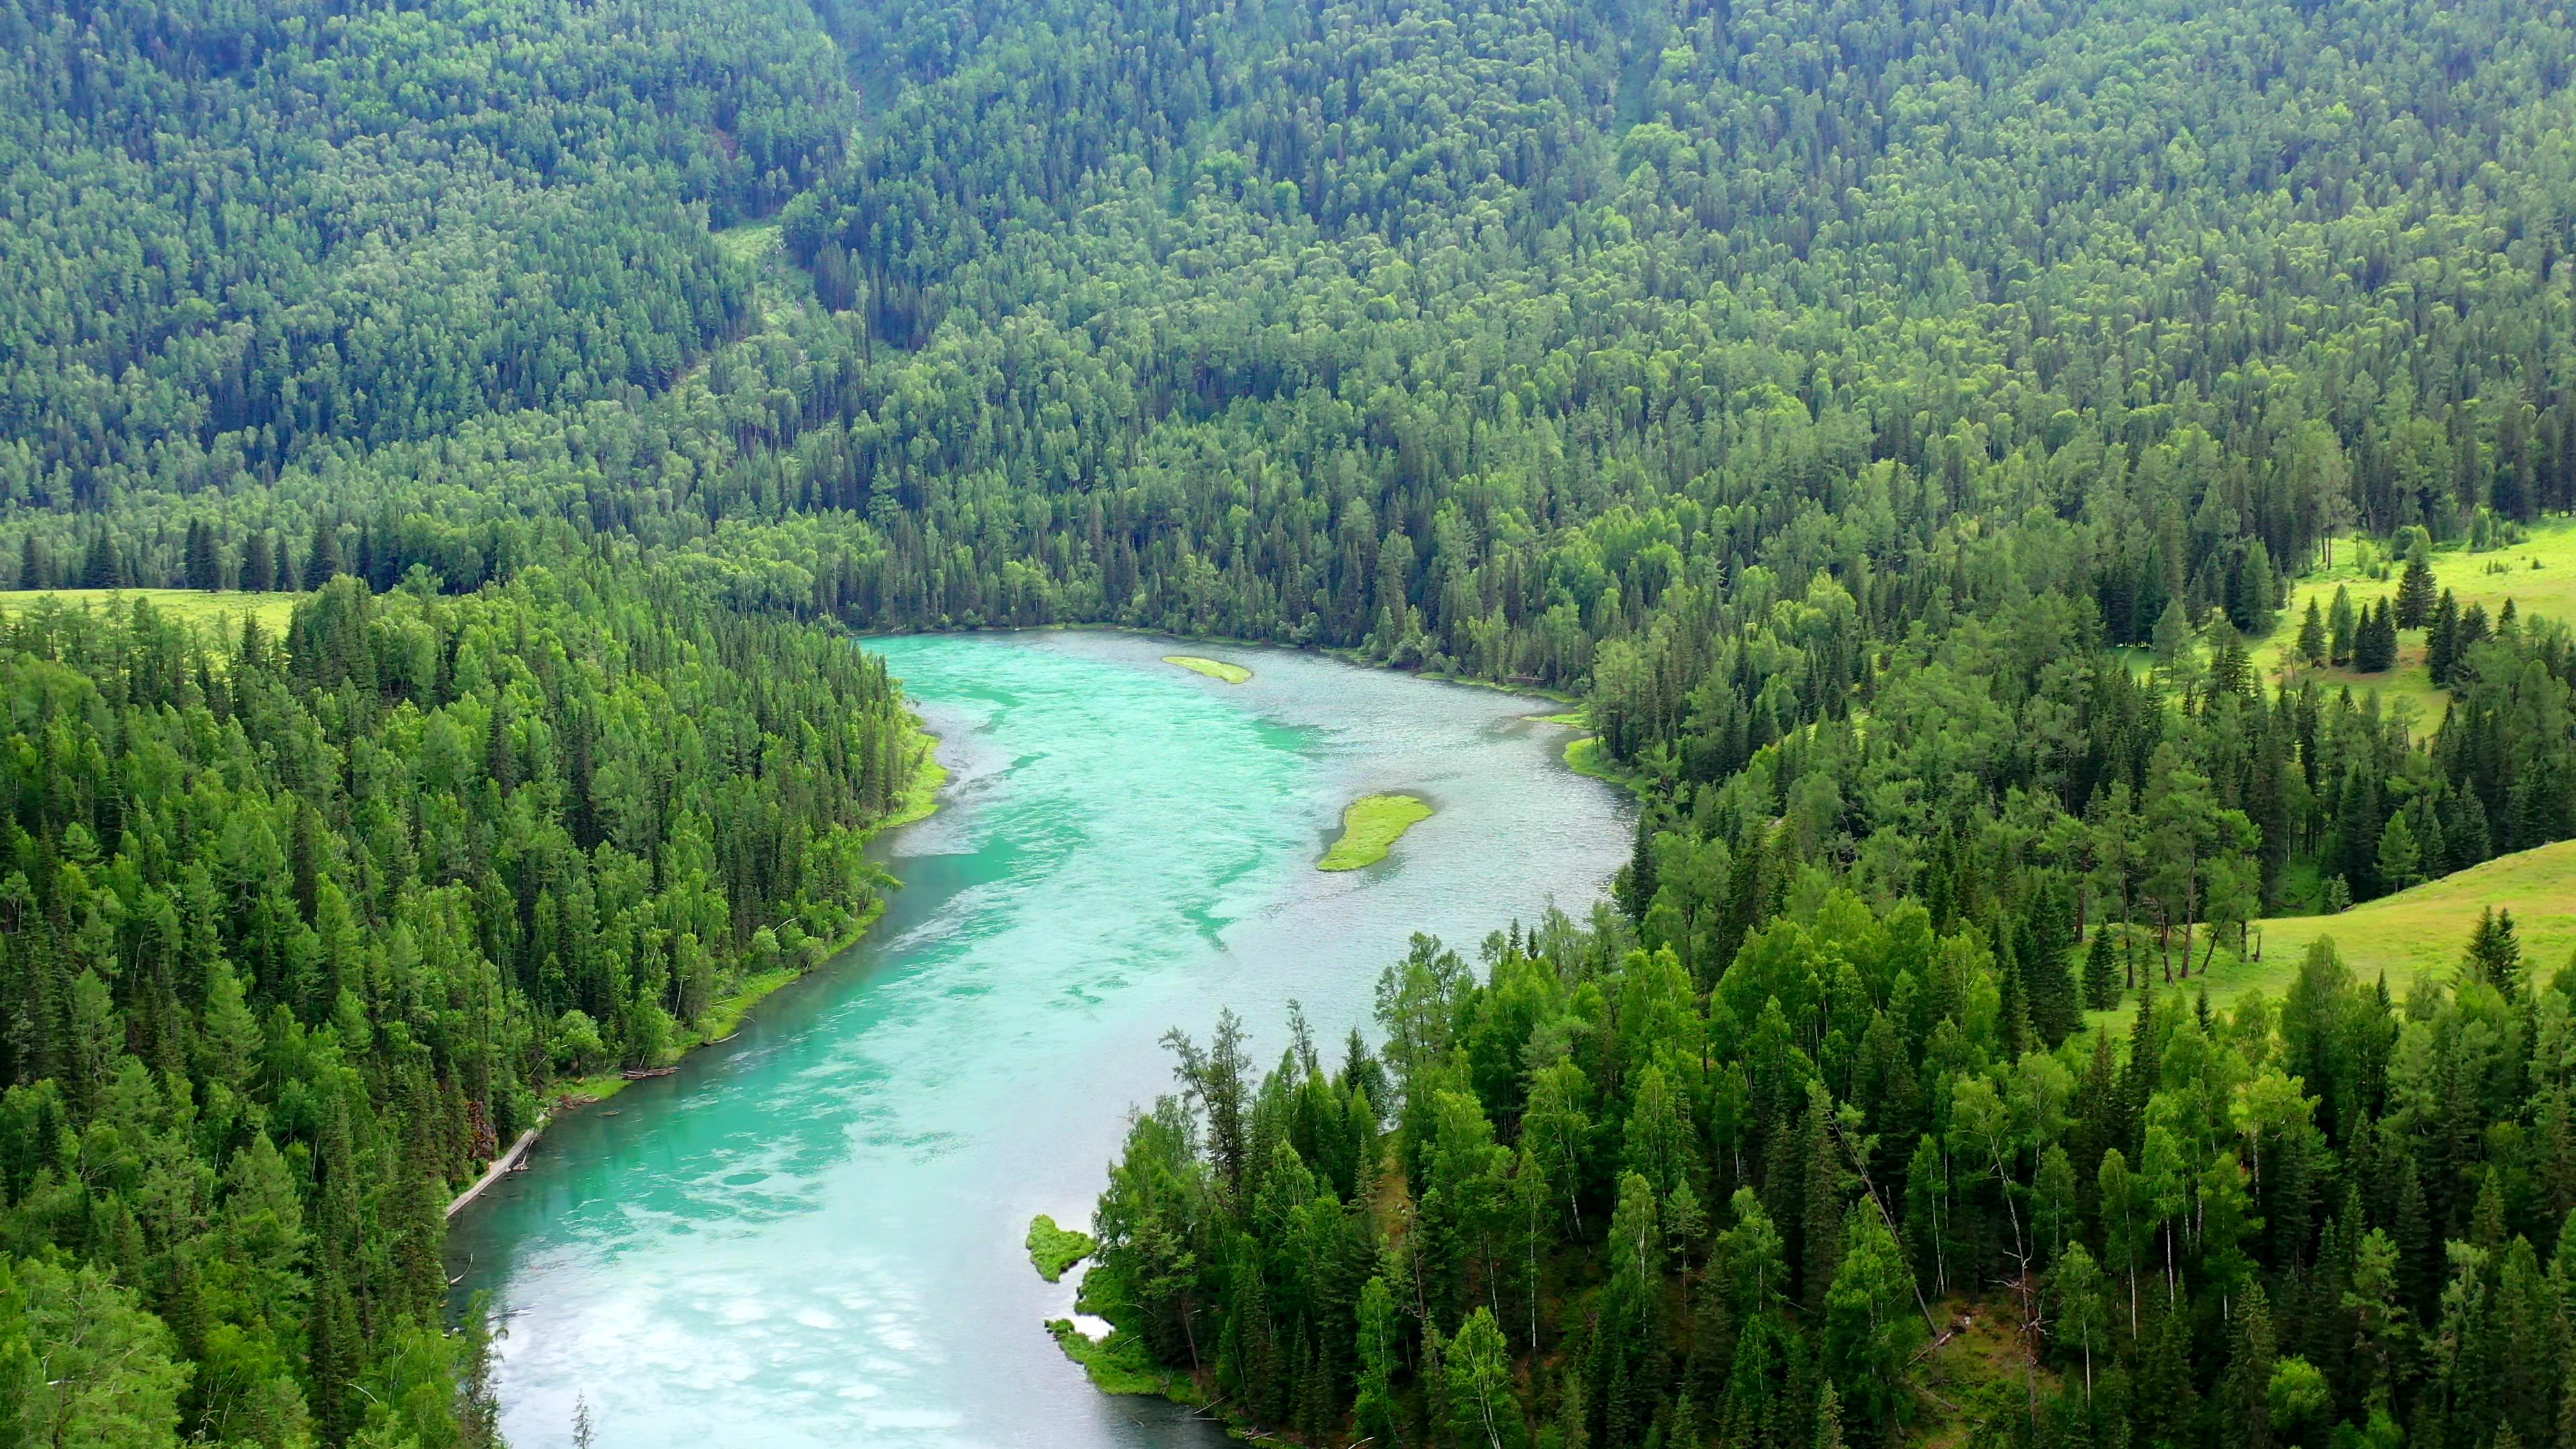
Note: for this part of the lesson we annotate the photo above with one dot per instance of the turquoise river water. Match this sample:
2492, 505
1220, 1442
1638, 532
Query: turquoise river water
811, 1236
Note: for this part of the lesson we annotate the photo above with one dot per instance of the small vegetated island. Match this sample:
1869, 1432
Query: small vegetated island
1212, 668
1054, 1249
1371, 825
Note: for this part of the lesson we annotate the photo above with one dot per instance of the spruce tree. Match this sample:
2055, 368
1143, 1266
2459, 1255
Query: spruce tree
102, 570
2473, 631
2046, 940
2339, 628
2375, 640
322, 561
202, 571
2399, 862
2442, 638
1637, 882
2495, 952
2311, 646
256, 574
2415, 588
2101, 971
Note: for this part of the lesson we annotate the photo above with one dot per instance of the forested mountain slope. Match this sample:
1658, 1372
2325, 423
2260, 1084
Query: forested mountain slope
1823, 391
295, 933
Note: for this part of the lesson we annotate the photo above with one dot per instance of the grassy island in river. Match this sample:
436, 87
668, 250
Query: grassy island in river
1371, 825
1053, 1249
1212, 668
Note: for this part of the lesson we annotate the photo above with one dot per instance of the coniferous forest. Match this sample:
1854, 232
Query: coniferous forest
2020, 489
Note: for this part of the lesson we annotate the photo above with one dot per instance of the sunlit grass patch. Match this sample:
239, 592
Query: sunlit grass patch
1212, 668
1053, 1249
1370, 826
194, 606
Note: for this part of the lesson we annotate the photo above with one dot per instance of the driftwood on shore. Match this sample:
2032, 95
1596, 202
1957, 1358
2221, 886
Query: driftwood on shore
506, 1162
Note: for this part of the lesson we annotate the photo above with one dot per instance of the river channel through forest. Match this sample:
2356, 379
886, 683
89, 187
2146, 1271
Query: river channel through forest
812, 1234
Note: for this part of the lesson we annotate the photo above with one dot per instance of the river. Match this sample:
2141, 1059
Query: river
811, 1235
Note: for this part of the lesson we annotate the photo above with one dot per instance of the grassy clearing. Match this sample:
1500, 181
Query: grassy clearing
2423, 931
749, 242
222, 610
2538, 575
1371, 825
1212, 668
1977, 1377
1053, 1249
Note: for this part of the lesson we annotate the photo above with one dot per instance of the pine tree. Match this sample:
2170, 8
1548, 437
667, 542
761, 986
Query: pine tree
2442, 638
2375, 640
2415, 589
2047, 929
102, 569
204, 572
2311, 646
257, 575
2495, 952
2101, 970
322, 561
1637, 882
2399, 861
2339, 628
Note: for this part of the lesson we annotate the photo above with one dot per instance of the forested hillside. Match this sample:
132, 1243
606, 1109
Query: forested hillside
1901, 425
296, 932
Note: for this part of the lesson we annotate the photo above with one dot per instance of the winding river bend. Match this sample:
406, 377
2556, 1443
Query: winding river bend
811, 1234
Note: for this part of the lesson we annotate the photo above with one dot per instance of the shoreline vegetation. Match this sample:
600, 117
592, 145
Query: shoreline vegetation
1371, 825
726, 1015
1585, 756
1118, 1362
1213, 668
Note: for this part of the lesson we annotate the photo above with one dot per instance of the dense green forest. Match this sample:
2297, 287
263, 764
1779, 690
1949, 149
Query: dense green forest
299, 930
1901, 425
1588, 1199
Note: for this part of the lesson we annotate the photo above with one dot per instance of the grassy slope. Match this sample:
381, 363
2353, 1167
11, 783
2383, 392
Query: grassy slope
2424, 930
2408, 936
1370, 827
221, 609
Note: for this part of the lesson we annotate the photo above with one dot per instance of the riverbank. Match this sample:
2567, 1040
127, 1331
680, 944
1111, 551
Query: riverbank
919, 801
500, 1167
